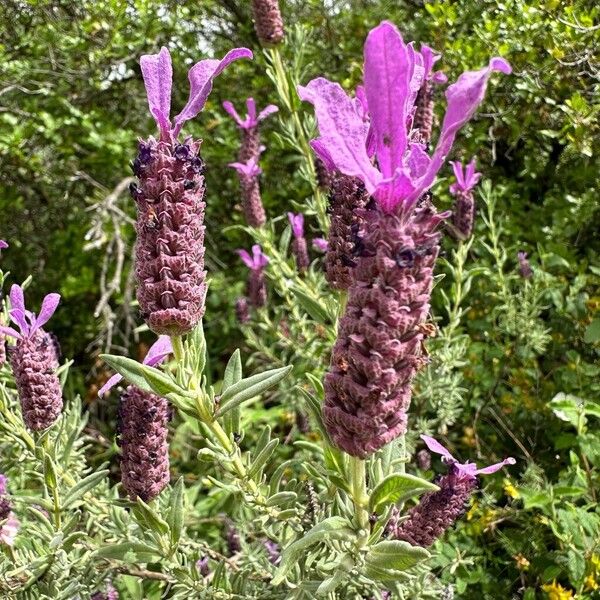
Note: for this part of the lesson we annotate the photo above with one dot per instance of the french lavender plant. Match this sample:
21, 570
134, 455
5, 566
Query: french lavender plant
380, 336
169, 257
463, 209
34, 361
143, 431
299, 246
250, 147
256, 288
268, 22
438, 511
252, 206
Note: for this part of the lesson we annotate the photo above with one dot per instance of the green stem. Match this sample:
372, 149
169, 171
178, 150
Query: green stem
177, 343
358, 489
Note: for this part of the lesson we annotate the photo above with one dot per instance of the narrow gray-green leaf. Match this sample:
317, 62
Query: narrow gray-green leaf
263, 456
316, 310
175, 517
84, 486
396, 555
397, 488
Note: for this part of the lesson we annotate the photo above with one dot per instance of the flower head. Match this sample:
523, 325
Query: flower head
157, 353
3, 483
27, 321
9, 529
3, 245
393, 74
466, 179
297, 223
158, 79
466, 470
248, 169
252, 119
320, 244
524, 267
257, 262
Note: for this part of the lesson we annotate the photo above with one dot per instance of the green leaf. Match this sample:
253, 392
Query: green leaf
142, 376
263, 456
384, 575
398, 487
249, 388
317, 310
146, 515
281, 498
50, 472
396, 555
315, 410
331, 528
175, 517
84, 486
232, 375
129, 552
567, 408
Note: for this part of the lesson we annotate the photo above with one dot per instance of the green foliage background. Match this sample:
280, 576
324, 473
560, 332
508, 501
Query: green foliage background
72, 106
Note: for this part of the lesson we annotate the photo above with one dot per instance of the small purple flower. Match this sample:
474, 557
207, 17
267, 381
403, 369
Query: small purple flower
203, 566
9, 527
299, 246
34, 361
438, 511
256, 287
252, 119
3, 484
273, 551
252, 206
524, 267
463, 211
320, 244
110, 593
242, 310
3, 245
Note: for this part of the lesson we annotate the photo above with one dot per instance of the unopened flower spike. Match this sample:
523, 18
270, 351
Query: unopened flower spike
252, 205
268, 22
256, 286
390, 274
524, 267
169, 256
438, 511
299, 246
143, 432
34, 360
463, 210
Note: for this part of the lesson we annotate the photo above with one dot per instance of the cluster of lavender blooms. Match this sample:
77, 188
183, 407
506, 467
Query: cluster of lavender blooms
268, 22
34, 360
248, 156
438, 511
9, 524
463, 210
170, 200
256, 288
143, 430
380, 336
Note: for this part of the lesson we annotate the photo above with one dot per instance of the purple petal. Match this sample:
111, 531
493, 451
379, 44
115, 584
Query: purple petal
439, 78
251, 108
49, 305
343, 133
391, 192
3, 483
361, 104
260, 260
201, 76
320, 244
246, 258
248, 169
18, 317
418, 160
436, 447
159, 351
157, 72
320, 150
297, 223
3, 245
463, 96
458, 174
230, 109
17, 298
387, 75
110, 384
266, 111
9, 331
493, 468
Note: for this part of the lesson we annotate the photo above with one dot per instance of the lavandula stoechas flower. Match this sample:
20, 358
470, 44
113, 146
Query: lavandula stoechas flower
203, 566
379, 345
268, 22
34, 361
250, 147
143, 431
256, 287
9, 524
242, 311
110, 593
252, 206
169, 257
463, 210
232, 537
524, 267
299, 246
320, 244
438, 511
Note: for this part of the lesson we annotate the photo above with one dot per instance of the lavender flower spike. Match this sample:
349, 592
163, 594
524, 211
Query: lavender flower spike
463, 211
524, 267
380, 336
268, 22
143, 431
299, 246
437, 511
3, 245
256, 288
250, 147
169, 256
34, 361
252, 205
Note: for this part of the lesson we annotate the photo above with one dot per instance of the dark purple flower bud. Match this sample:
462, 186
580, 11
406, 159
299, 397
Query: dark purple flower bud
347, 197
380, 337
463, 211
5, 507
273, 552
169, 256
252, 206
203, 566
256, 287
423, 460
268, 22
299, 246
143, 427
524, 267
423, 119
242, 310
232, 537
324, 175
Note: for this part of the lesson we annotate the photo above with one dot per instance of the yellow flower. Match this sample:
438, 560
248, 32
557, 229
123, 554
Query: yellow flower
472, 511
510, 490
590, 583
556, 591
522, 562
